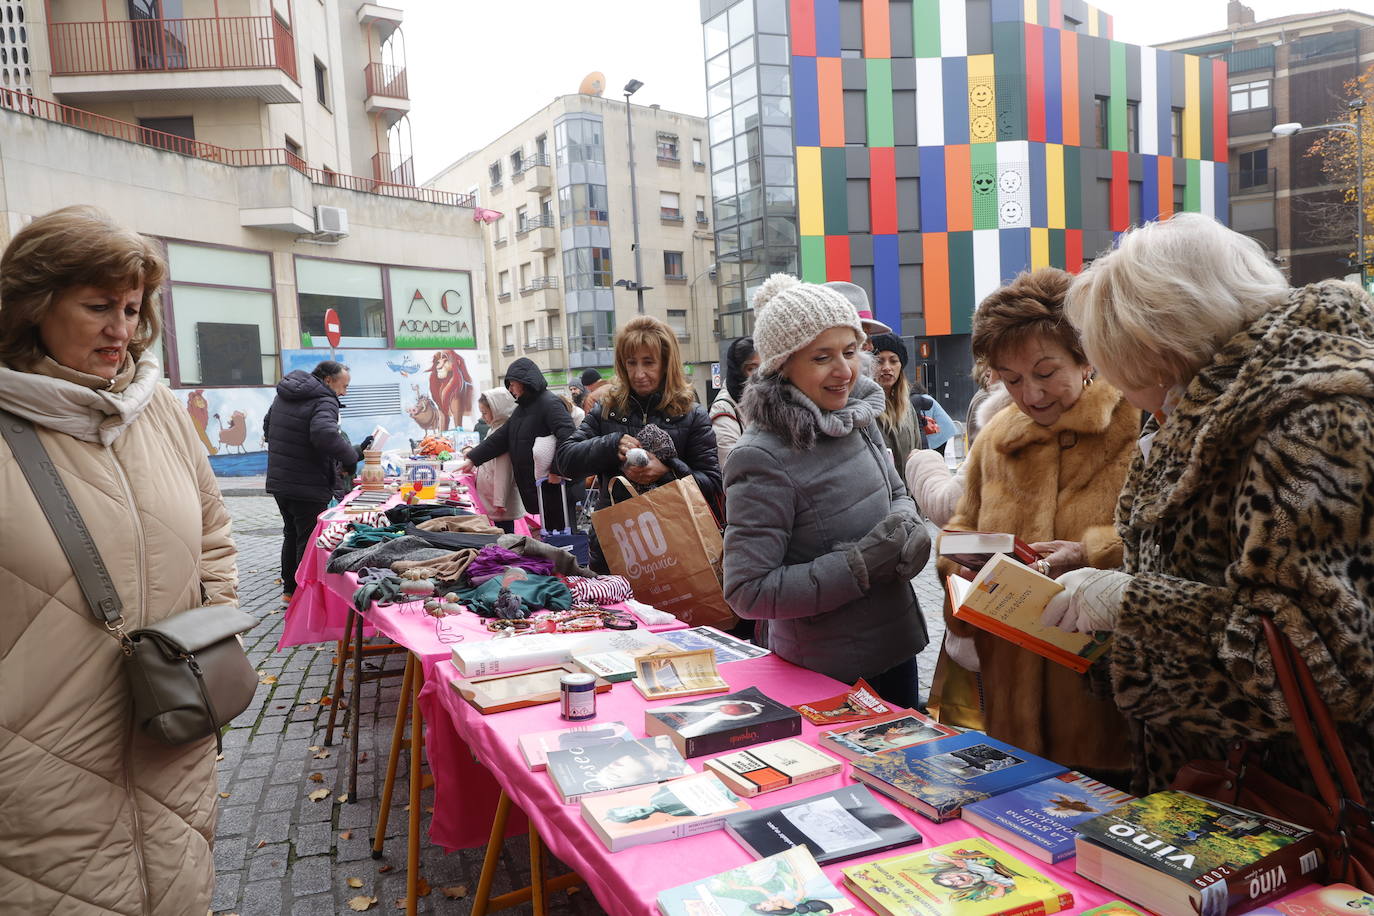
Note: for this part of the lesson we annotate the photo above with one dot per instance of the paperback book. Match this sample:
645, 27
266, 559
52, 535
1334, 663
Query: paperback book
973, 549
714, 724
600, 767
1042, 819
970, 877
727, 648
1114, 908
790, 881
678, 674
667, 811
855, 704
905, 729
538, 650
834, 826
1334, 899
1174, 852
535, 747
1007, 599
768, 767
939, 777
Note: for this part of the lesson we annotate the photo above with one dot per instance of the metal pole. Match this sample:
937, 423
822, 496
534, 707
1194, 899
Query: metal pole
1359, 188
634, 208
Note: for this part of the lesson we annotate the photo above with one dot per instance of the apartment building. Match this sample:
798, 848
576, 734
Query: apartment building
1280, 71
561, 263
266, 143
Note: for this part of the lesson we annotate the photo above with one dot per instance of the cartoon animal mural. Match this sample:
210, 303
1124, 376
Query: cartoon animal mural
451, 387
235, 433
426, 413
406, 365
199, 409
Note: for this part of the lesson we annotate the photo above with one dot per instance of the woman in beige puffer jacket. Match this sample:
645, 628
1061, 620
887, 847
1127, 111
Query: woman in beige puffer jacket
94, 816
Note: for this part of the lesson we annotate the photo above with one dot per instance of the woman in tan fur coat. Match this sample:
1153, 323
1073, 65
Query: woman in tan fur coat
1048, 470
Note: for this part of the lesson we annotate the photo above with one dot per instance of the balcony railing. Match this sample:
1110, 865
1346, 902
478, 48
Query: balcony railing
196, 149
539, 283
544, 343
542, 221
151, 45
401, 173
672, 214
386, 79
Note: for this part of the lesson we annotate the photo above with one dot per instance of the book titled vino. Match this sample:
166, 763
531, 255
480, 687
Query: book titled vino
939, 777
973, 549
1007, 599
535, 746
1174, 852
792, 876
722, 723
834, 826
666, 811
855, 704
904, 729
970, 877
677, 674
1041, 819
609, 766
768, 767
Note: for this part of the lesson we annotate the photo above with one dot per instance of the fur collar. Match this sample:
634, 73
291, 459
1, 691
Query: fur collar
1012, 430
1317, 345
776, 406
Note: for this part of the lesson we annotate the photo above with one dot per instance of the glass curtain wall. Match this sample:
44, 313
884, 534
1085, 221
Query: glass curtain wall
585, 238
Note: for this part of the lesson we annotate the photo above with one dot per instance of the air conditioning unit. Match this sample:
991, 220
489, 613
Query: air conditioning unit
333, 220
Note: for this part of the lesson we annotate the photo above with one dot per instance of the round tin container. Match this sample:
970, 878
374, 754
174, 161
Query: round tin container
578, 697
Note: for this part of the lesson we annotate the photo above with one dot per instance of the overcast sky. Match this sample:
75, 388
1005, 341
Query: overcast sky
479, 67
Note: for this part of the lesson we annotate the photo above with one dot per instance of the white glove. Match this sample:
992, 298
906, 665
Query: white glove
962, 651
1090, 601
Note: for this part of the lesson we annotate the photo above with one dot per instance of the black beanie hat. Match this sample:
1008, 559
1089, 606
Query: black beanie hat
891, 342
589, 377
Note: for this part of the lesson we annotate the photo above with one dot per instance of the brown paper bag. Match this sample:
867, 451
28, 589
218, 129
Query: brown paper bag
667, 544
956, 695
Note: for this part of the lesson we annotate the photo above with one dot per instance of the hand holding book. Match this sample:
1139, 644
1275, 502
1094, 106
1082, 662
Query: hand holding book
1060, 557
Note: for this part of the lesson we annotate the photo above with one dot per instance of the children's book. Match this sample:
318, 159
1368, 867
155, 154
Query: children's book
1007, 599
600, 767
973, 549
790, 881
1041, 819
940, 777
969, 877
651, 814
835, 826
535, 746
678, 674
767, 767
1327, 901
855, 704
724, 723
902, 729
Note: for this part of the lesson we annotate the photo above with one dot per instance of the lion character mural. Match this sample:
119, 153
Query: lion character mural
451, 387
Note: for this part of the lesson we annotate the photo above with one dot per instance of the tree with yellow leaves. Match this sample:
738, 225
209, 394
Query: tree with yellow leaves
1347, 156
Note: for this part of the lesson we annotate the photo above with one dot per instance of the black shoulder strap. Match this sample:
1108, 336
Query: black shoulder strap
64, 518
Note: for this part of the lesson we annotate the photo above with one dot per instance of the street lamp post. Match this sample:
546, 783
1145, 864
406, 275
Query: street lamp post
631, 88
1356, 127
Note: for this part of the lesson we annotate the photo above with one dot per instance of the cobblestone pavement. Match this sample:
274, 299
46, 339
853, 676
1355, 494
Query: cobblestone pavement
276, 851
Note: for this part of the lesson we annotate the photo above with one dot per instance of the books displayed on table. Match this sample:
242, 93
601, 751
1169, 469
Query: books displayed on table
855, 704
1322, 901
1114, 908
609, 766
722, 723
677, 674
500, 656
727, 648
1041, 819
1007, 599
969, 877
614, 659
904, 729
767, 767
940, 777
666, 811
535, 746
973, 549
1174, 852
790, 881
834, 826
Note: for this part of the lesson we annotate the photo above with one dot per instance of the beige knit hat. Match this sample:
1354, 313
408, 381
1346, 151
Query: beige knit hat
789, 314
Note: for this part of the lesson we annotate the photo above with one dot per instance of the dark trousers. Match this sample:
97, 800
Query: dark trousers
899, 685
298, 517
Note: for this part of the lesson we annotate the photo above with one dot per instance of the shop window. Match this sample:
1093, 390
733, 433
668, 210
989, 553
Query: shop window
351, 289
222, 326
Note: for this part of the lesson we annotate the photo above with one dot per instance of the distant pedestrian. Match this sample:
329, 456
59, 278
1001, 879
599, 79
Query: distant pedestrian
594, 387
741, 359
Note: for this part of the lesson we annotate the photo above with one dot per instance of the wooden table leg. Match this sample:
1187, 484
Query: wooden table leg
336, 699
397, 737
536, 872
494, 842
417, 745
355, 705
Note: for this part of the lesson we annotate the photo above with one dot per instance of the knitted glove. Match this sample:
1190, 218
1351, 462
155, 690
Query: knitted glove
962, 651
657, 443
1090, 601
876, 556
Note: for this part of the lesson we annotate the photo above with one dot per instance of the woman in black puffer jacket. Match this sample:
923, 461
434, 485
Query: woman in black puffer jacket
649, 389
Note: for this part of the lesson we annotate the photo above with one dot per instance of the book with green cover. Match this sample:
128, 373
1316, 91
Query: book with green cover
969, 877
790, 881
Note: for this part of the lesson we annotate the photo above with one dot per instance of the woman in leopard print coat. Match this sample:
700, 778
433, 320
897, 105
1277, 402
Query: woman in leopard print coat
1252, 496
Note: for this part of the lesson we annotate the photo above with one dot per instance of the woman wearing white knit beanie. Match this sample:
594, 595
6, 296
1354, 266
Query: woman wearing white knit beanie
822, 540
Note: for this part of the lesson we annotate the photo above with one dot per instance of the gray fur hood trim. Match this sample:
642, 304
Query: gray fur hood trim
776, 406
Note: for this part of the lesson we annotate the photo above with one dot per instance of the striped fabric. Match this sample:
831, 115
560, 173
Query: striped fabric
602, 590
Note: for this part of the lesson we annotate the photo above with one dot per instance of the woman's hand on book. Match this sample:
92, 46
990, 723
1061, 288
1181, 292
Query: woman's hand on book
1090, 601
1062, 556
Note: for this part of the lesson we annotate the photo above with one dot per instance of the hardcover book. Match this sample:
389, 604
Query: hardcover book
973, 549
905, 729
855, 704
767, 767
1007, 599
790, 881
940, 777
724, 723
1174, 852
678, 674
834, 826
535, 747
1041, 819
651, 814
600, 767
970, 877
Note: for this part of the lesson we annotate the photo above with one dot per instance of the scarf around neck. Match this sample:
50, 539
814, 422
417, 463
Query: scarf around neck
866, 402
83, 406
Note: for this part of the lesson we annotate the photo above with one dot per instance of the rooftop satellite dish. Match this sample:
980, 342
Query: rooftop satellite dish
593, 84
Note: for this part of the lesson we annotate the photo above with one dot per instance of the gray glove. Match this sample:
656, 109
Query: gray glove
915, 552
878, 554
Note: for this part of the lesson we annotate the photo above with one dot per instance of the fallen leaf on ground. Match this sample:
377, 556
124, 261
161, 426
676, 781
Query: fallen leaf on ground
362, 758
320, 755
326, 701
422, 888
268, 679
346, 835
224, 795
457, 892
355, 882
429, 809
316, 777
400, 903
313, 747
384, 869
219, 757
318, 795
361, 902
342, 798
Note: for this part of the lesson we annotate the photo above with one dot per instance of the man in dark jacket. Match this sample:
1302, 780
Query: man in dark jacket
538, 412
305, 448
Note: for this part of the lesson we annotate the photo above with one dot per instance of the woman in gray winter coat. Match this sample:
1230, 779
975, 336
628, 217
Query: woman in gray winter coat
822, 540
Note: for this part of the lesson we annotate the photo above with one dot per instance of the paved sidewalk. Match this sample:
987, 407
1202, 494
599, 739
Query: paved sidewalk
276, 851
